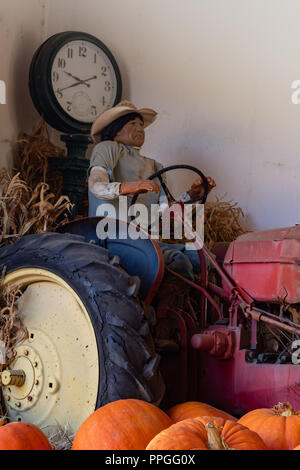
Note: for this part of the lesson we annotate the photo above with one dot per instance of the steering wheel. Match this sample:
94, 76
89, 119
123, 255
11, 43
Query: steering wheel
166, 189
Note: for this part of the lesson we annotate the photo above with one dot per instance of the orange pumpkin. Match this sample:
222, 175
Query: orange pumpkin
207, 432
193, 409
23, 436
279, 426
127, 424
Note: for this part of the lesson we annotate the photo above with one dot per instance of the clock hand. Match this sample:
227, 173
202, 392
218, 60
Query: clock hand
70, 86
83, 82
73, 76
88, 79
79, 82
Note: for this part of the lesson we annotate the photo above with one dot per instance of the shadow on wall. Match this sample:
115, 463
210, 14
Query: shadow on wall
23, 115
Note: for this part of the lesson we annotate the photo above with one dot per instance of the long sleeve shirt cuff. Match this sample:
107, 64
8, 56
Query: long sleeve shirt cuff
100, 186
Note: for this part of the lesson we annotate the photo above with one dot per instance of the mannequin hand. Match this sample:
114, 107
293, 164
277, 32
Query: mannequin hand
137, 187
197, 188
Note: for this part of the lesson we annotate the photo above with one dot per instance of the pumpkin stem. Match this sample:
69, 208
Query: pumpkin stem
284, 409
214, 439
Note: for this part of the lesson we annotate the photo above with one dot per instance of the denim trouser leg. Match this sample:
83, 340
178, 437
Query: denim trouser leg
180, 260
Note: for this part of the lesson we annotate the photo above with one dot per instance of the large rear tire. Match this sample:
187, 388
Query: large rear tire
86, 329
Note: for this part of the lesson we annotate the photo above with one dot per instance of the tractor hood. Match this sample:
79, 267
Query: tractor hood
266, 264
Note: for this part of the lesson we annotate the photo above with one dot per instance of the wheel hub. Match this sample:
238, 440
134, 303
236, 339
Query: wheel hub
24, 396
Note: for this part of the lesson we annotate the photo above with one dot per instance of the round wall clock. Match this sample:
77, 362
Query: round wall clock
73, 77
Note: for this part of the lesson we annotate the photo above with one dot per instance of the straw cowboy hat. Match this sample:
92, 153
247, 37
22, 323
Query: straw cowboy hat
121, 109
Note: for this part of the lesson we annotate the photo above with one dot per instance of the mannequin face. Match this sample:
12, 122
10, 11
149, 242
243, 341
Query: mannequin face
132, 133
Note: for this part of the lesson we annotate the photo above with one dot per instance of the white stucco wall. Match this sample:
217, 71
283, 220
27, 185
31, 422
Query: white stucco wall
22, 28
219, 73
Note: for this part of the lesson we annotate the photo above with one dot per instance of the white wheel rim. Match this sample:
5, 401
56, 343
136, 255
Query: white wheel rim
60, 357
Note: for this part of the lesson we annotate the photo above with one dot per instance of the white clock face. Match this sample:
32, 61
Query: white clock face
83, 80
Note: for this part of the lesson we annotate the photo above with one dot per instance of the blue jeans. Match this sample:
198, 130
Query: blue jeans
180, 260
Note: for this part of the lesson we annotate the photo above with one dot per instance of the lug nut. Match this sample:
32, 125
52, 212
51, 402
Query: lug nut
36, 382
26, 352
18, 404
29, 398
35, 364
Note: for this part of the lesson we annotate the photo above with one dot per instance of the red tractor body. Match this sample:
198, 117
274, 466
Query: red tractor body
239, 386
267, 264
249, 362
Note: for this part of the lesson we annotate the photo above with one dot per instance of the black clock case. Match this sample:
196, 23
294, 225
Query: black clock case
40, 84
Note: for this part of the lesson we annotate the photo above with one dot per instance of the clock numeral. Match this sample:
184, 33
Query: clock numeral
103, 71
82, 51
55, 76
94, 111
69, 106
107, 86
59, 93
70, 53
61, 63
103, 101
95, 58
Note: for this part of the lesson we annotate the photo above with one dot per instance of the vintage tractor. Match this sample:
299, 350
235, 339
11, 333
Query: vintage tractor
106, 319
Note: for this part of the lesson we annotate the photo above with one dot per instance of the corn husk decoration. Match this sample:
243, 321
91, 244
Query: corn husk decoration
33, 153
222, 221
60, 437
25, 211
30, 195
12, 330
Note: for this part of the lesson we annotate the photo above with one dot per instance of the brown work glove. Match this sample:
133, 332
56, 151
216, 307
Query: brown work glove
137, 187
197, 188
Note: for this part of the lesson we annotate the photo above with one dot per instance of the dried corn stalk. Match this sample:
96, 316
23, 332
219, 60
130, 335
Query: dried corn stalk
30, 195
12, 330
24, 210
60, 437
222, 221
33, 153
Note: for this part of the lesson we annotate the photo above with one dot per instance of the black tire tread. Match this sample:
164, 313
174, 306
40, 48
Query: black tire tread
127, 357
